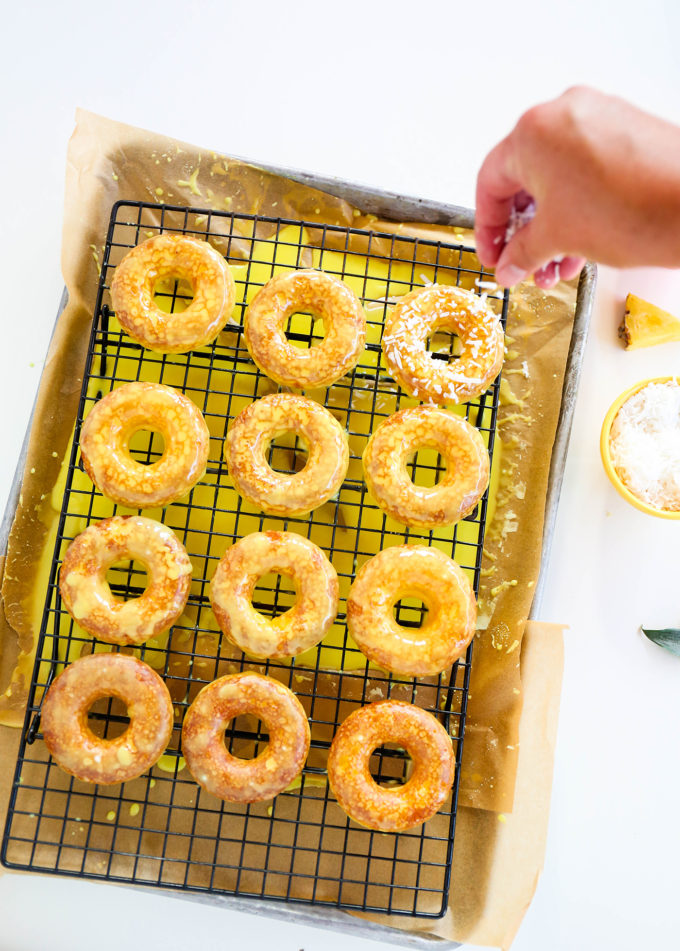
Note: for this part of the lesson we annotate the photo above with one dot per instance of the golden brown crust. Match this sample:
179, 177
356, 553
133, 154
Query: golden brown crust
305, 292
426, 741
248, 440
69, 738
440, 307
87, 596
419, 572
109, 426
230, 777
298, 629
176, 256
398, 438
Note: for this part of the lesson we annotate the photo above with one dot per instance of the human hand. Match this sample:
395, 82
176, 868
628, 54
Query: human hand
584, 176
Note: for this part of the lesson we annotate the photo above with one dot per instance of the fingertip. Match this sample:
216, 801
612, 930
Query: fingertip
547, 276
507, 275
559, 269
570, 267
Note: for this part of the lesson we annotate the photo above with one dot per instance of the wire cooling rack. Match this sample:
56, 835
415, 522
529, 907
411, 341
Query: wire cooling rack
162, 829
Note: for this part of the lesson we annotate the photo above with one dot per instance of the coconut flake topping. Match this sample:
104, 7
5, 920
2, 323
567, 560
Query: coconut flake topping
645, 444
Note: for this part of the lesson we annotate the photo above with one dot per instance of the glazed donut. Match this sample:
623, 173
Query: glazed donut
299, 628
248, 440
389, 481
106, 434
87, 596
419, 572
69, 738
393, 809
308, 292
173, 255
230, 777
416, 317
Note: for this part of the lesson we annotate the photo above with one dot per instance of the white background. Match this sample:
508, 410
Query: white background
409, 97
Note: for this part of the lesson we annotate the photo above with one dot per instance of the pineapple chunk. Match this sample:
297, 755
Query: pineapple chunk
645, 325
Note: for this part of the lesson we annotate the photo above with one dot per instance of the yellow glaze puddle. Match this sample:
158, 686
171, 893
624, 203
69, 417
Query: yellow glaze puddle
228, 385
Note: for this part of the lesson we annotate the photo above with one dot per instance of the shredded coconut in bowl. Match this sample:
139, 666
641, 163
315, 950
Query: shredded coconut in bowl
644, 444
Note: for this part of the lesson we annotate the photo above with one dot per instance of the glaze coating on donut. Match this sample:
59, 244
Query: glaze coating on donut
393, 809
64, 718
398, 438
173, 256
419, 572
115, 418
305, 292
248, 440
299, 628
420, 314
86, 593
230, 777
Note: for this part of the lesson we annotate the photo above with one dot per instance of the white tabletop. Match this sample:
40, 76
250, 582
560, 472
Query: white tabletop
408, 97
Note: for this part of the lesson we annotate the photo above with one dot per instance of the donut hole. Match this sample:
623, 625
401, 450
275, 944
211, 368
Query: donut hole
410, 612
108, 718
304, 330
444, 345
127, 579
146, 446
246, 737
173, 294
288, 453
274, 594
426, 467
390, 765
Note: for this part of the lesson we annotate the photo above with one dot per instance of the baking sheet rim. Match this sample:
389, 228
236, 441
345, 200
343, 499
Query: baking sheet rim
388, 205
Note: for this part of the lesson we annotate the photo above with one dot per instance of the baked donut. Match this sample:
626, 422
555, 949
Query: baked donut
87, 596
106, 434
276, 493
389, 481
174, 256
64, 718
393, 809
416, 317
230, 777
419, 572
308, 292
296, 630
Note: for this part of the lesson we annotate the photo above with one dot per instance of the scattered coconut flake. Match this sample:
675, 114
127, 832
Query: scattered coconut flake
518, 219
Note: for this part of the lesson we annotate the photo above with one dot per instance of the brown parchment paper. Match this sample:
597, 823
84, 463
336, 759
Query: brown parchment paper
498, 857
108, 161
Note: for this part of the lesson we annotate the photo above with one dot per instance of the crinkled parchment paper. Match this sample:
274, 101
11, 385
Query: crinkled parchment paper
517, 668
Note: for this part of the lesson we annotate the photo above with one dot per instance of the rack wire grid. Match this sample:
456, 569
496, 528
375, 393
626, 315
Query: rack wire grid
162, 829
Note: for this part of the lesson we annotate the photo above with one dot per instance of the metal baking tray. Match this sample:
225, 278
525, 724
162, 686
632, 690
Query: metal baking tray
393, 206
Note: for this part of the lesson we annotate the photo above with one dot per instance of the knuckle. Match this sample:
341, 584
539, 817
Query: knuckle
529, 120
576, 94
538, 122
545, 119
578, 105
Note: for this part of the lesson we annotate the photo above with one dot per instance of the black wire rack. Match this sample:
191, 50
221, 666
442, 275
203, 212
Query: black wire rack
162, 829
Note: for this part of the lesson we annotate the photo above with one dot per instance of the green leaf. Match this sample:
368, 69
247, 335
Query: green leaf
667, 637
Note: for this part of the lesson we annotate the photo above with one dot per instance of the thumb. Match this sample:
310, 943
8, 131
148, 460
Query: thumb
526, 252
